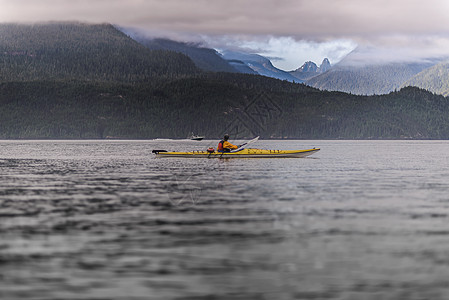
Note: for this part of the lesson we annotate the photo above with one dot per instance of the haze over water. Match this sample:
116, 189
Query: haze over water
108, 220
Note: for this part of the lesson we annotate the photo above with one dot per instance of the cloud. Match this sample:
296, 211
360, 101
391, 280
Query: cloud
301, 19
289, 27
286, 53
400, 49
301, 51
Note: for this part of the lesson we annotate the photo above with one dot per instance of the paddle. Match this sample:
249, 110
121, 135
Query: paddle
157, 151
244, 145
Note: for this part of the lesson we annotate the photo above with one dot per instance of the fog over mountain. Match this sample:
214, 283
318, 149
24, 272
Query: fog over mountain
373, 71
257, 63
390, 41
293, 30
380, 55
364, 71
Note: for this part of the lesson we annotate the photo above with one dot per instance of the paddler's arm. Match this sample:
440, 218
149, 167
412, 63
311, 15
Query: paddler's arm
228, 145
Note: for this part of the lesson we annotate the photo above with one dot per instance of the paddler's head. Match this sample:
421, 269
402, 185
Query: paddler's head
226, 137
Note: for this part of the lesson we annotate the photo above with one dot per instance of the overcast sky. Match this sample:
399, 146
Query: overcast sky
290, 31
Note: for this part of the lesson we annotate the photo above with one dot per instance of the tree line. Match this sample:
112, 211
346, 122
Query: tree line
211, 104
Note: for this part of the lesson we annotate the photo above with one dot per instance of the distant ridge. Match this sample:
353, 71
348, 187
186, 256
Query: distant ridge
204, 58
257, 63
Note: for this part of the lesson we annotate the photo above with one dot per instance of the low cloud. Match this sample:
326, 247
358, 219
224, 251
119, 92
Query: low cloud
400, 49
288, 53
279, 28
301, 19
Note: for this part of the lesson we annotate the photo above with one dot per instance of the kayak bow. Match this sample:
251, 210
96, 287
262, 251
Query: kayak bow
244, 153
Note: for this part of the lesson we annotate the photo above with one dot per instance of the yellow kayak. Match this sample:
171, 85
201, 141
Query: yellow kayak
244, 153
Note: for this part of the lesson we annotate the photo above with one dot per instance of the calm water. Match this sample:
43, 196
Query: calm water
108, 220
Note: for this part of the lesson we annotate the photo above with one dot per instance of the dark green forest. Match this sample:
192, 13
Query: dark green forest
68, 51
78, 81
211, 105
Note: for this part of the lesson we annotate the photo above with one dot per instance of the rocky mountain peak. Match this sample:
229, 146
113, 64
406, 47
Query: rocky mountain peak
325, 65
309, 69
308, 66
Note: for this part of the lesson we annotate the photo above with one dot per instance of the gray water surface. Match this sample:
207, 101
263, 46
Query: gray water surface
108, 220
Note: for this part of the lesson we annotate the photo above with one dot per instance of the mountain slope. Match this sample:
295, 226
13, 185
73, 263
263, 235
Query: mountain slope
259, 64
434, 79
241, 66
367, 75
80, 51
367, 80
204, 58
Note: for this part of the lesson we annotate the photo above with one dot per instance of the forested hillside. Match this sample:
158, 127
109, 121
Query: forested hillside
243, 105
63, 51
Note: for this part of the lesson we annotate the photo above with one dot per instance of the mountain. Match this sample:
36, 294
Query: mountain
92, 81
60, 51
204, 58
309, 70
367, 77
434, 79
257, 63
210, 60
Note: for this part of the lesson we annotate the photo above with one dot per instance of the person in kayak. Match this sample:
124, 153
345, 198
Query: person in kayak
224, 145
